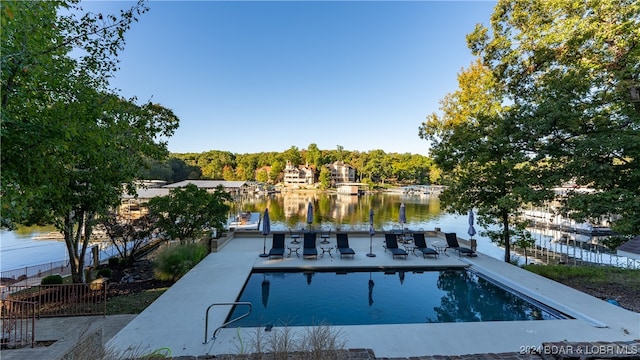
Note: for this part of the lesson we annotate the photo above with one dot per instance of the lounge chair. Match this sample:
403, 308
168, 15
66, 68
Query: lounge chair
309, 247
277, 246
342, 240
392, 245
421, 245
452, 243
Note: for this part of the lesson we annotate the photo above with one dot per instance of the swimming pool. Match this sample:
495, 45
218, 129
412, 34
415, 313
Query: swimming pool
382, 296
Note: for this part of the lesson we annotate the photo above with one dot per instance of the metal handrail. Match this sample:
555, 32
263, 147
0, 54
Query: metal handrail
206, 318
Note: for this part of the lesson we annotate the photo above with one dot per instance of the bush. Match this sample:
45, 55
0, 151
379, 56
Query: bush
173, 262
51, 280
106, 272
319, 342
114, 262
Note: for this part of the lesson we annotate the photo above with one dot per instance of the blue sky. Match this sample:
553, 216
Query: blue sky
250, 77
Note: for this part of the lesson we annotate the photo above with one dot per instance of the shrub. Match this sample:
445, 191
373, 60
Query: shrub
317, 342
106, 272
173, 262
51, 280
114, 262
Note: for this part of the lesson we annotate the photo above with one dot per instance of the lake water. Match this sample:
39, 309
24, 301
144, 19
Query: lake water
288, 210
18, 248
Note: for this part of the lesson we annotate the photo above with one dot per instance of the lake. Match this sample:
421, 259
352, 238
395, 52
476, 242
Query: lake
288, 210
19, 249
348, 212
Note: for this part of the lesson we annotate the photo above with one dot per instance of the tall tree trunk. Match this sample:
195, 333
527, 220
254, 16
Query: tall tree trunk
77, 231
507, 239
72, 248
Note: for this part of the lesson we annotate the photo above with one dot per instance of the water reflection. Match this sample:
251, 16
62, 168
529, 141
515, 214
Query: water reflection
378, 297
346, 212
469, 297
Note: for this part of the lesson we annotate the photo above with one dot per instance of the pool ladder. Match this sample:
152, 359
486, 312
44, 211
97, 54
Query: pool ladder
206, 318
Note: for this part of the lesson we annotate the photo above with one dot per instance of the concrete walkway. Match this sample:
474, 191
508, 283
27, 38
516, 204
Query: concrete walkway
176, 320
65, 332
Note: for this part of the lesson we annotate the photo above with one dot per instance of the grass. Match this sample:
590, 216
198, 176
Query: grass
588, 274
133, 303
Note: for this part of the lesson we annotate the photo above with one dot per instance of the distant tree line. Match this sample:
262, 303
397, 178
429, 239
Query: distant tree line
375, 166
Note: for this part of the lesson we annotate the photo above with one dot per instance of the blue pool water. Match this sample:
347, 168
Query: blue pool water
390, 296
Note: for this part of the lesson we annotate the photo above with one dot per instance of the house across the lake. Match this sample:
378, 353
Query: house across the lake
298, 175
130, 204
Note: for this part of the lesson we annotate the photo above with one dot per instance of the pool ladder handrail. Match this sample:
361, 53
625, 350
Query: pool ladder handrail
206, 318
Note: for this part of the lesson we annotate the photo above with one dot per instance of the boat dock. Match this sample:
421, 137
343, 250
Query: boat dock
245, 221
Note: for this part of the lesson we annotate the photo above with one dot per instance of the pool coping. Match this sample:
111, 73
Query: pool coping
176, 319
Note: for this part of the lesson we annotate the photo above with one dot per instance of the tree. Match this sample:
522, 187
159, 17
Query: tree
213, 163
188, 213
128, 237
228, 173
262, 176
246, 168
171, 170
570, 70
293, 156
324, 178
375, 165
484, 158
277, 167
340, 153
69, 144
313, 156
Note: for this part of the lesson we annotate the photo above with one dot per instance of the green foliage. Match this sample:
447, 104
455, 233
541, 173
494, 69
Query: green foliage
613, 242
485, 160
127, 237
106, 272
589, 274
69, 143
262, 176
173, 262
575, 91
133, 303
188, 213
170, 170
325, 178
547, 103
373, 166
52, 280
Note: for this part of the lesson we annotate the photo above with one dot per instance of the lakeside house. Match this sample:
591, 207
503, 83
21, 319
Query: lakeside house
130, 204
298, 175
341, 173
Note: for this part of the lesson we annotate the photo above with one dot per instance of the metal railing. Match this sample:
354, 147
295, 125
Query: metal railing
206, 318
36, 271
62, 300
18, 323
32, 274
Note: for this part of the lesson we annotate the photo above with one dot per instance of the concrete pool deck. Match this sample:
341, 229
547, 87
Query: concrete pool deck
176, 320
